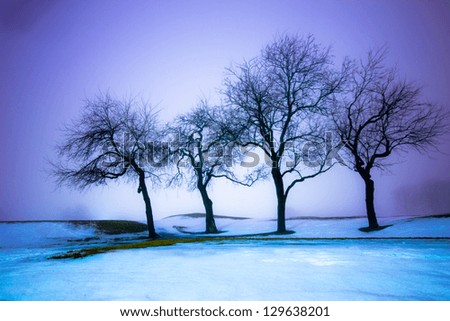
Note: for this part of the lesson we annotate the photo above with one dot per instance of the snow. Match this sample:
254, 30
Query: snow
316, 227
35, 234
292, 269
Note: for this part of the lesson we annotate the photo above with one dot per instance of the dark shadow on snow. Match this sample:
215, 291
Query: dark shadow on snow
373, 229
182, 229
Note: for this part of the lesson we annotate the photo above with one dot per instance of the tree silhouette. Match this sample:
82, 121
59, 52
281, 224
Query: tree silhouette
379, 114
202, 152
278, 101
112, 139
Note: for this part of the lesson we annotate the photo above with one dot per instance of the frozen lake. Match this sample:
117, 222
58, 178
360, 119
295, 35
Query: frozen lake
363, 269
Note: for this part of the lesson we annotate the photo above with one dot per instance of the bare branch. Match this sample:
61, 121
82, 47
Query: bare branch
107, 142
379, 114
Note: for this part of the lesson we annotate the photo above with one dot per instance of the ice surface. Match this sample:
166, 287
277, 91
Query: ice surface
351, 269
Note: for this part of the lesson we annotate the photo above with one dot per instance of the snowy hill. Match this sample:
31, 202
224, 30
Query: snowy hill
311, 227
66, 233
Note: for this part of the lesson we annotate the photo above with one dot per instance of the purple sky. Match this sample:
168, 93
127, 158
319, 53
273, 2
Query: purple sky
56, 53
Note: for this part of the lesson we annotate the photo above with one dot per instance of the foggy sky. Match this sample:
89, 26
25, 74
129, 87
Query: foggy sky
54, 54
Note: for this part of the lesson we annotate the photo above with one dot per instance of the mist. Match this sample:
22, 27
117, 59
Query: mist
171, 53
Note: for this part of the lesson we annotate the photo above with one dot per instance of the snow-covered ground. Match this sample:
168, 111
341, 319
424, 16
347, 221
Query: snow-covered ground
291, 269
314, 227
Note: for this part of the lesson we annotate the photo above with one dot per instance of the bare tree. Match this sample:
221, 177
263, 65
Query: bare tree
203, 152
112, 139
379, 114
278, 101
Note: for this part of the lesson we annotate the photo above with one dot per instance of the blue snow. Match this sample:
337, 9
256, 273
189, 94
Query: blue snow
353, 269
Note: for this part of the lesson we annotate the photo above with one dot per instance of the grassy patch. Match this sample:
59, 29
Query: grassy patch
140, 245
219, 240
113, 226
119, 227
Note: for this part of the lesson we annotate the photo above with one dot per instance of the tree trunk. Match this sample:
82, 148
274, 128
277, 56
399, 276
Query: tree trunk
370, 207
281, 199
209, 218
148, 207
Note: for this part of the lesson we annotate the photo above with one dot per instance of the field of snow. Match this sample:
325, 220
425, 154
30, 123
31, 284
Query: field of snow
307, 265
